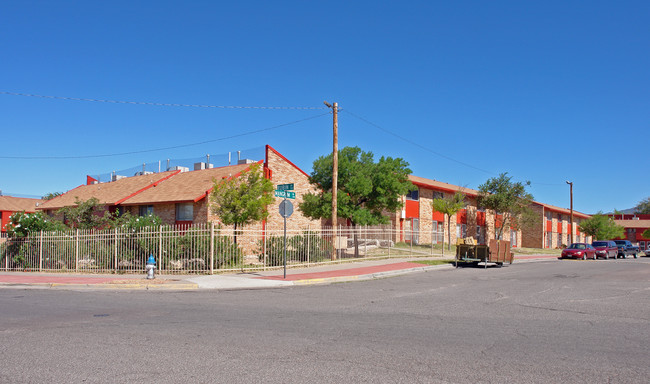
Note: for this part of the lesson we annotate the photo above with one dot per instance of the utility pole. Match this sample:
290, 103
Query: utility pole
571, 195
335, 172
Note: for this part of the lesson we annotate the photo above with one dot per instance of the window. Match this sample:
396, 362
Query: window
413, 195
412, 228
513, 238
549, 239
146, 210
559, 217
184, 212
437, 231
559, 239
480, 234
438, 195
641, 244
548, 215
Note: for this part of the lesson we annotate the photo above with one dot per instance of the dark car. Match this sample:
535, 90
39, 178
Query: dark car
625, 247
605, 248
579, 250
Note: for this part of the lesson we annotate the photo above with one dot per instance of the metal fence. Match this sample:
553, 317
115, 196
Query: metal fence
201, 249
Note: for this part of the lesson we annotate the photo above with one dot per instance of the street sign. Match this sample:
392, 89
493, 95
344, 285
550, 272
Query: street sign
285, 187
286, 208
285, 194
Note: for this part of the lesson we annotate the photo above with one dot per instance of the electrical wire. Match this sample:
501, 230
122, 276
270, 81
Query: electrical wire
417, 144
428, 149
151, 103
163, 148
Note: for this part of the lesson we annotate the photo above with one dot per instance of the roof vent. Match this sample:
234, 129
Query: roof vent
245, 161
200, 166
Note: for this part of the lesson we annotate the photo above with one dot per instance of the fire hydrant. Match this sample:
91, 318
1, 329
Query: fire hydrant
151, 267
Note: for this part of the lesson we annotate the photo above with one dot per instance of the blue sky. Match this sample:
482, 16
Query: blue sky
547, 91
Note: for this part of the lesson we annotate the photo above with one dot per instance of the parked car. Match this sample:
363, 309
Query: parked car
625, 247
579, 250
605, 248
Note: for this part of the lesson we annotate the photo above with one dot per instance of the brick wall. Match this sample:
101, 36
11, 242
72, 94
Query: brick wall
283, 172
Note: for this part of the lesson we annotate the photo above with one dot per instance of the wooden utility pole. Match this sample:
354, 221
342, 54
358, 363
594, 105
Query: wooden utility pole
335, 173
571, 220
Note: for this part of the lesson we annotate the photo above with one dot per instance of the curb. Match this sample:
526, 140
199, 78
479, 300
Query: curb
371, 276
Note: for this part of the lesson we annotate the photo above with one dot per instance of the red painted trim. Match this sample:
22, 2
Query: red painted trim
147, 187
412, 209
430, 187
228, 178
41, 208
283, 158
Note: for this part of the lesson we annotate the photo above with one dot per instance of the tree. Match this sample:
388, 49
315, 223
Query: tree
52, 195
509, 199
242, 200
646, 233
643, 208
601, 227
22, 224
366, 190
449, 206
85, 214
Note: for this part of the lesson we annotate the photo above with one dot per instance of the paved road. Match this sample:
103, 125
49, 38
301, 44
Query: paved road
549, 322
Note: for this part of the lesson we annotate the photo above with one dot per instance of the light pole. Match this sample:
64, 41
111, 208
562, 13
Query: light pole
571, 196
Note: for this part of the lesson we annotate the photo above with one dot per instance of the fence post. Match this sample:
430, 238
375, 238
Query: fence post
40, 253
76, 251
212, 247
308, 241
390, 240
115, 250
264, 246
160, 247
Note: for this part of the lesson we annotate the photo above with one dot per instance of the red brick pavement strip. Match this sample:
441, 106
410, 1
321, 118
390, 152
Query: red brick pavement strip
346, 272
41, 279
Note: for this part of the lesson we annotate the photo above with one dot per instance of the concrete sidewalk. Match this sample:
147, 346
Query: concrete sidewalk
322, 274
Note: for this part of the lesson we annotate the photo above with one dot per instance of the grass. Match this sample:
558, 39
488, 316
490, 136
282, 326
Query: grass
433, 262
536, 251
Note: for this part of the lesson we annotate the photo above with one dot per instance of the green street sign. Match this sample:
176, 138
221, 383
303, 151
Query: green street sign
285, 194
285, 187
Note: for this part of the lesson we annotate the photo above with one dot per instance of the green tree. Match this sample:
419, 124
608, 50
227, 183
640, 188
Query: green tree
85, 214
449, 206
367, 190
643, 207
646, 233
51, 195
242, 200
509, 199
601, 227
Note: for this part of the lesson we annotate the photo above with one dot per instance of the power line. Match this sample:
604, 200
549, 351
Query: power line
417, 144
163, 148
151, 103
430, 150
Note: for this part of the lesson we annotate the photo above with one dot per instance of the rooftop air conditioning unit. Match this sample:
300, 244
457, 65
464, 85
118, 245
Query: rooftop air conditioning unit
143, 173
178, 168
200, 166
117, 177
245, 161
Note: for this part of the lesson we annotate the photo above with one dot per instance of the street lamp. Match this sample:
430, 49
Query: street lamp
571, 196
